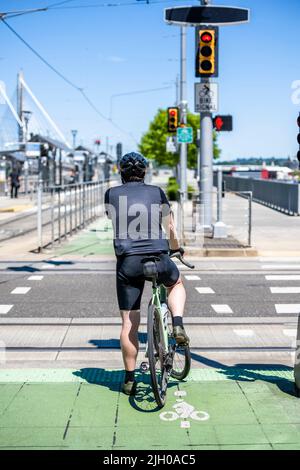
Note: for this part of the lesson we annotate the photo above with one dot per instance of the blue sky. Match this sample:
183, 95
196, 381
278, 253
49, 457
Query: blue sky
113, 50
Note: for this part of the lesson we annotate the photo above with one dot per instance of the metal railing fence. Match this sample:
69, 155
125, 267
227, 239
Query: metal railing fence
236, 214
63, 210
278, 195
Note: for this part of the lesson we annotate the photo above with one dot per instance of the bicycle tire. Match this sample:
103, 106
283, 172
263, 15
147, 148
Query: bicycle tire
159, 386
183, 371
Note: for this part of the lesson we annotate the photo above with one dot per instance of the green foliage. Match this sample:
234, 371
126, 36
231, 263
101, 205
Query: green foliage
172, 189
153, 142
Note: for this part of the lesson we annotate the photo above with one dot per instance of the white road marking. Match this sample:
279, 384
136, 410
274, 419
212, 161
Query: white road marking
35, 278
244, 333
205, 290
290, 333
222, 309
46, 266
5, 309
287, 277
282, 267
185, 424
287, 308
192, 277
285, 290
21, 290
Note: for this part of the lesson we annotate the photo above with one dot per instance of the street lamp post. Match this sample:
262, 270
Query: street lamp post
74, 133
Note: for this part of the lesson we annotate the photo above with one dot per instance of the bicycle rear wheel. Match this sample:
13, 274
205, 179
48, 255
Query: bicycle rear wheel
158, 371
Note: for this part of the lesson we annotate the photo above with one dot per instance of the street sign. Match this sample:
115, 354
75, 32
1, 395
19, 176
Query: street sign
223, 123
206, 97
209, 14
171, 146
185, 135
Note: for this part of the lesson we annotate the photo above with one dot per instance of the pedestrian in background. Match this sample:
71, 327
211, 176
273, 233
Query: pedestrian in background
14, 182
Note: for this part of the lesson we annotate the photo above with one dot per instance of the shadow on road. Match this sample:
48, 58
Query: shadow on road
251, 372
143, 401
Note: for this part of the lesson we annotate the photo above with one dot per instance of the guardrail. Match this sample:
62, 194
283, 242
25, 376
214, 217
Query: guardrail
63, 210
278, 195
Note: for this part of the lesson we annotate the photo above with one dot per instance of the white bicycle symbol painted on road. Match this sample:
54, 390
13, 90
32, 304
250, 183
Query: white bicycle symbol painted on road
183, 411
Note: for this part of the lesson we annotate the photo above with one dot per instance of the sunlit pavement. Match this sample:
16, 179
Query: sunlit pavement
60, 371
233, 408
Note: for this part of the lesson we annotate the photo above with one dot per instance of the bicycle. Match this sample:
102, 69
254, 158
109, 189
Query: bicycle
166, 358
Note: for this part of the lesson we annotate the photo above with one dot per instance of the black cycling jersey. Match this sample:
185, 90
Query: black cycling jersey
136, 210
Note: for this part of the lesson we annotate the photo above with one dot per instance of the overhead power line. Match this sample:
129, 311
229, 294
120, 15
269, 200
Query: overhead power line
65, 79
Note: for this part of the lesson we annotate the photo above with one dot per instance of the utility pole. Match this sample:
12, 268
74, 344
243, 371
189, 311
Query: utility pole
20, 106
183, 113
206, 159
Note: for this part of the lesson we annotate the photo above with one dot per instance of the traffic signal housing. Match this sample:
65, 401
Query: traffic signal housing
173, 119
223, 123
207, 51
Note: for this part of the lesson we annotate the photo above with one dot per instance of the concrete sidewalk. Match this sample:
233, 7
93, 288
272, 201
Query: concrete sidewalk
12, 208
246, 409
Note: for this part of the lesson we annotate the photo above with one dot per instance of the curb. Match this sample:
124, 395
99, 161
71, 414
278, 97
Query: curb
221, 252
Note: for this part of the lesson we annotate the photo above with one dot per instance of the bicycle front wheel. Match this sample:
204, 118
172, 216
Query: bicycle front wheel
181, 362
158, 373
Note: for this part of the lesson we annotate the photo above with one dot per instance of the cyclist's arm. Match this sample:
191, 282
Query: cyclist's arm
168, 223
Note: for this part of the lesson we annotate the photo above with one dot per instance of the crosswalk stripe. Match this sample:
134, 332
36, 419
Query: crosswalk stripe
287, 277
273, 267
21, 290
35, 278
222, 309
5, 309
285, 290
192, 277
244, 333
287, 308
290, 333
205, 290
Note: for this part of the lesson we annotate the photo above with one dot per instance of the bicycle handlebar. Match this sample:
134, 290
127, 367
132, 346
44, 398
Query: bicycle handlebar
179, 256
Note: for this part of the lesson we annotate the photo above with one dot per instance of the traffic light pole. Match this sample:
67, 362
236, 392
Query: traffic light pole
183, 113
206, 160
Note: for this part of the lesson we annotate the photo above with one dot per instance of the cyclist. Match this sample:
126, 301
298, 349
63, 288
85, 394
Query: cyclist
143, 225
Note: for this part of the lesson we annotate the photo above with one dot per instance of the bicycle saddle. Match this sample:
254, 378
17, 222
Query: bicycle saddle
150, 267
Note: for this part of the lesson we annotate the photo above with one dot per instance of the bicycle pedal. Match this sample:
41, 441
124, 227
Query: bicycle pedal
144, 367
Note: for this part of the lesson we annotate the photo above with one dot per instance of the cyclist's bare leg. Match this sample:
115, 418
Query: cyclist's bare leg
129, 337
176, 299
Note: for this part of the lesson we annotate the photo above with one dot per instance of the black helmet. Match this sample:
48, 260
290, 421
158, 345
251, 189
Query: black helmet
133, 164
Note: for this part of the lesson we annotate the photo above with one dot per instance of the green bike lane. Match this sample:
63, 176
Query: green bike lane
236, 408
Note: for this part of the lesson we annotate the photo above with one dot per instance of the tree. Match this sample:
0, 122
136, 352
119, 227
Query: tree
153, 142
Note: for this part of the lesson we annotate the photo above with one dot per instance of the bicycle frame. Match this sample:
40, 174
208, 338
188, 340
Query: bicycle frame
159, 298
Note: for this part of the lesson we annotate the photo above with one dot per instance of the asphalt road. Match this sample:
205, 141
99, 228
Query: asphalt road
87, 289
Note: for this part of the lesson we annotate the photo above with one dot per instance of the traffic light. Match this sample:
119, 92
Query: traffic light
207, 51
223, 123
173, 119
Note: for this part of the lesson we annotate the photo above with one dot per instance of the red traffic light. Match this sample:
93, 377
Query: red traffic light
223, 123
206, 37
219, 123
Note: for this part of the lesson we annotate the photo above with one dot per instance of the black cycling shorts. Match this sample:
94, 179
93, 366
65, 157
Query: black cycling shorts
131, 279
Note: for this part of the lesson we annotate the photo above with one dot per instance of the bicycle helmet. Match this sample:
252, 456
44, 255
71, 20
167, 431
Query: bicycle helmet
133, 164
